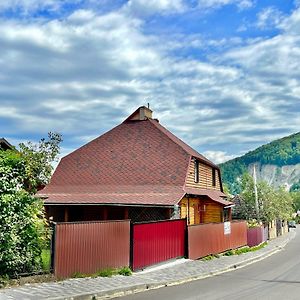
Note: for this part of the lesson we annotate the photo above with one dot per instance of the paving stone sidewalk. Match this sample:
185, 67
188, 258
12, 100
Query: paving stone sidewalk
103, 288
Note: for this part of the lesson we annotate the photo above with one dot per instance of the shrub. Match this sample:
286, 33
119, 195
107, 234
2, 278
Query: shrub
23, 230
125, 271
22, 233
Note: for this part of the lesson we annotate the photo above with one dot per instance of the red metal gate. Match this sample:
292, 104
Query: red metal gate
155, 242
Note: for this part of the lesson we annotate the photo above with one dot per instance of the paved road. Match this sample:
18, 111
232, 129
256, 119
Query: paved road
276, 277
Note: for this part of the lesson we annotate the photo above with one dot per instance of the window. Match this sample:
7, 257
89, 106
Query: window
213, 177
196, 170
226, 214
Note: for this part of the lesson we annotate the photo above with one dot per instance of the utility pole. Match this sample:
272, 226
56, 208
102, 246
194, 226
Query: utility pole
255, 194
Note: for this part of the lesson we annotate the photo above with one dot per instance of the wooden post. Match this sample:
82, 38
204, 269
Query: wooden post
126, 213
104, 213
66, 217
188, 212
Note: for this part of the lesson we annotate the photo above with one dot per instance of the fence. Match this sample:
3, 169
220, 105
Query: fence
87, 247
206, 239
257, 235
154, 242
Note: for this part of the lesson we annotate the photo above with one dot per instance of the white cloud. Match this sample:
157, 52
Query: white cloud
217, 156
269, 18
149, 7
83, 74
28, 6
213, 4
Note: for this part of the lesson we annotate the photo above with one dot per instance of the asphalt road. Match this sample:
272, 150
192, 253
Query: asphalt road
275, 277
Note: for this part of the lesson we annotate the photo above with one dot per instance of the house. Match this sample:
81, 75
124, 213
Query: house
5, 145
140, 171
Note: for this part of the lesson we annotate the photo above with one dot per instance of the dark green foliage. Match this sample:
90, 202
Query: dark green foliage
295, 187
285, 151
23, 228
296, 200
126, 271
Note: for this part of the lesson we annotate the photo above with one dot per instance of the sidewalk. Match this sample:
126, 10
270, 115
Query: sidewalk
169, 274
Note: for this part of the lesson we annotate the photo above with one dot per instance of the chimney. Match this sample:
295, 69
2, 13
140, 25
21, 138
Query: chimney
141, 114
145, 113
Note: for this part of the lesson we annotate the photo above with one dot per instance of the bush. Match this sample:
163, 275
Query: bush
125, 271
22, 233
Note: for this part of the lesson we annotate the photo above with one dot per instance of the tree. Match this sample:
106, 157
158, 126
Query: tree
245, 209
273, 203
23, 230
38, 160
296, 200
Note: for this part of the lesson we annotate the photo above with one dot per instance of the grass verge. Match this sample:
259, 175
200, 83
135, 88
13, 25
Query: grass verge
238, 251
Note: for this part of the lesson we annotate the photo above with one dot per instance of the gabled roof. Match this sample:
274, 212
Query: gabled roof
4, 144
137, 162
214, 195
183, 145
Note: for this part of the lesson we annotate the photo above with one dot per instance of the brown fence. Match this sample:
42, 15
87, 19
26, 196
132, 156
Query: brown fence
257, 235
87, 247
206, 239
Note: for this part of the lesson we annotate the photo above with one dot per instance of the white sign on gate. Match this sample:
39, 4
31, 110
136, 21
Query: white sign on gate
227, 227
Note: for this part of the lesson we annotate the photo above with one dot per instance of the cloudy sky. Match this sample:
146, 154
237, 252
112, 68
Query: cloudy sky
223, 75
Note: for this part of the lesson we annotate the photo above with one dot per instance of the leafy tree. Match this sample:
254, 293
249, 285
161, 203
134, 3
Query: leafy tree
296, 200
39, 158
273, 203
23, 230
245, 209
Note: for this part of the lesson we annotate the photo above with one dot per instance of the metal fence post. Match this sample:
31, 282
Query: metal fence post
52, 247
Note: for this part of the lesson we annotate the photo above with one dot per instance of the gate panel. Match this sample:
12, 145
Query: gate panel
155, 242
87, 247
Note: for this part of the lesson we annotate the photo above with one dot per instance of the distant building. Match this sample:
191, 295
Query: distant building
5, 145
140, 171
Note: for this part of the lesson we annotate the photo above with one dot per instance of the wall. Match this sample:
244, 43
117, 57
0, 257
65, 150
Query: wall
201, 210
285, 228
272, 230
205, 177
76, 213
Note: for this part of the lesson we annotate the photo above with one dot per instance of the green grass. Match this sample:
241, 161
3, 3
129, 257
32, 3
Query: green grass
109, 272
46, 260
238, 251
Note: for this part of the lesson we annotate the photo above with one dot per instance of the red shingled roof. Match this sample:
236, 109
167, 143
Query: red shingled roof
214, 195
131, 195
137, 162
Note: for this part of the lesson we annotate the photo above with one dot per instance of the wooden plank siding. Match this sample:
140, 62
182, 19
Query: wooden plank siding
198, 210
205, 177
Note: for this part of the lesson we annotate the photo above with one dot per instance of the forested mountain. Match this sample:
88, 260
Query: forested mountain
278, 163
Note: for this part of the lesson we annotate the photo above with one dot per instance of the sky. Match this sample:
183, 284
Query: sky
222, 75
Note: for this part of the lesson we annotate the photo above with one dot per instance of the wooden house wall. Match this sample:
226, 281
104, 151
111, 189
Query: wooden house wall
205, 177
199, 210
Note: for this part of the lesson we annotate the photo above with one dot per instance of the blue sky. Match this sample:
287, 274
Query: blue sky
223, 75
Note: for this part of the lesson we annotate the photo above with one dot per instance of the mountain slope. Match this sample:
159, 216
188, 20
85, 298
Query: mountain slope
278, 163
